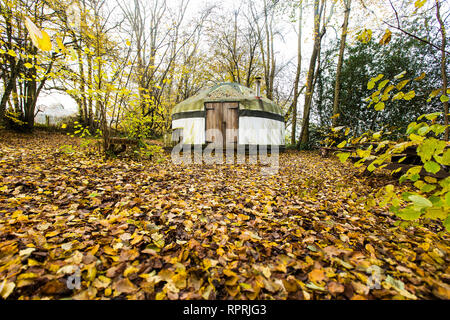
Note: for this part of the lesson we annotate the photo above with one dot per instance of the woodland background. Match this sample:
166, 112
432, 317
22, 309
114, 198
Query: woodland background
128, 63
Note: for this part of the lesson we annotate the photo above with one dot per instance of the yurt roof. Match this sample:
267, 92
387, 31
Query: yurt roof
228, 91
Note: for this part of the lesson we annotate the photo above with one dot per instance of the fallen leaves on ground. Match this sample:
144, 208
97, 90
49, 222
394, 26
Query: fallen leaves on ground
140, 230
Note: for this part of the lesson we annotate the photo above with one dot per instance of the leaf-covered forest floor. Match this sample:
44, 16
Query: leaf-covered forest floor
146, 230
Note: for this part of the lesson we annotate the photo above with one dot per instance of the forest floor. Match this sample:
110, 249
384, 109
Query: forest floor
147, 230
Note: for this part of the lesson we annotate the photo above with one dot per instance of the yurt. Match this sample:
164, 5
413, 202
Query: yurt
228, 113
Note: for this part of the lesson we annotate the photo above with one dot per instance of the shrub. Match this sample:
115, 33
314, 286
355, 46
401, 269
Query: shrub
430, 198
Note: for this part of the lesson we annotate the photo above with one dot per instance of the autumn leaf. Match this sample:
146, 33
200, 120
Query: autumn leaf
6, 288
335, 287
124, 286
39, 37
379, 106
60, 44
419, 3
317, 275
386, 37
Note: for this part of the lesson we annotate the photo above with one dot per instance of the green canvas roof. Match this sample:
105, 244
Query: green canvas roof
228, 91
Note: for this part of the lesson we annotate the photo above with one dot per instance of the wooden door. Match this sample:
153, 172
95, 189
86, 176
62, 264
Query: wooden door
231, 122
222, 122
214, 122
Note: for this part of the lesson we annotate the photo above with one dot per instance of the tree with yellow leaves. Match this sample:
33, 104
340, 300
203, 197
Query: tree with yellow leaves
27, 60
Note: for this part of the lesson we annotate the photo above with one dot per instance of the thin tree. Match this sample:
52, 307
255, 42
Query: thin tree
319, 32
297, 73
266, 33
337, 86
443, 67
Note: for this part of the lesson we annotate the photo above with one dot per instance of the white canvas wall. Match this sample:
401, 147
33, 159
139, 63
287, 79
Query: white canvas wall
193, 129
252, 130
262, 131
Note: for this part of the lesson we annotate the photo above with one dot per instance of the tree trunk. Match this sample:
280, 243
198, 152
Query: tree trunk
91, 87
8, 89
15, 68
297, 75
443, 67
82, 106
340, 61
304, 135
268, 56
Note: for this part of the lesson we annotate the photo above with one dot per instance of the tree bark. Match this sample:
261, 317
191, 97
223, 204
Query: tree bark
10, 82
8, 89
267, 54
443, 67
304, 135
90, 87
82, 106
297, 75
340, 62
319, 12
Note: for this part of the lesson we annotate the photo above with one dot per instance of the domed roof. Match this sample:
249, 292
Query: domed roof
228, 91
